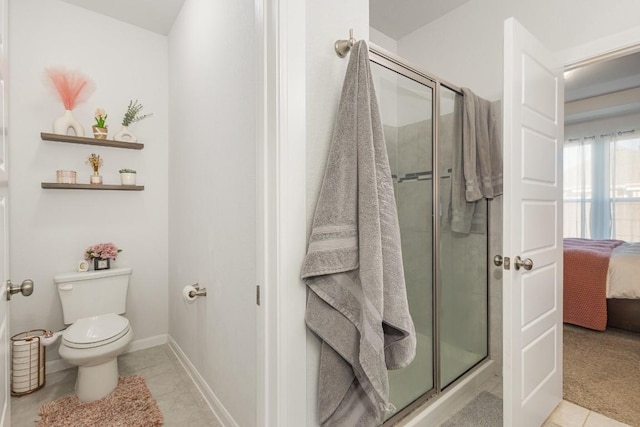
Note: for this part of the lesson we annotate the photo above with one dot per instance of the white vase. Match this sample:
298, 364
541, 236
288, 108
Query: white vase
125, 136
127, 178
62, 124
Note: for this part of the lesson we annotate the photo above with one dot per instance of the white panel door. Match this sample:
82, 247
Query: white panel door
532, 299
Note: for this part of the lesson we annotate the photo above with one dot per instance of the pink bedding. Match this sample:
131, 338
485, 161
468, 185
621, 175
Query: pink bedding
585, 281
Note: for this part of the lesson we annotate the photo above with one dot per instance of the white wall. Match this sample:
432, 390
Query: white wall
212, 211
602, 126
50, 229
382, 40
465, 46
327, 21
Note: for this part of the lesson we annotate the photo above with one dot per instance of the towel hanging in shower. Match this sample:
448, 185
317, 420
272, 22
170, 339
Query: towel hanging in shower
357, 302
477, 165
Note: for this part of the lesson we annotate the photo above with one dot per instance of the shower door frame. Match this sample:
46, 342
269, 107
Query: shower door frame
378, 56
387, 60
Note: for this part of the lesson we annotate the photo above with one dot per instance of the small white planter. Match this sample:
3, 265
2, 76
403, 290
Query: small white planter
128, 178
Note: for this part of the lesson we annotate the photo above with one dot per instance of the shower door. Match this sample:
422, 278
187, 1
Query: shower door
406, 108
462, 260
445, 272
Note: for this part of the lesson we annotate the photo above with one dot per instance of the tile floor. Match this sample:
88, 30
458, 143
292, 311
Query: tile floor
182, 404
178, 398
568, 414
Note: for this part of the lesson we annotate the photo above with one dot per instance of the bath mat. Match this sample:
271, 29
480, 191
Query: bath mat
485, 410
130, 404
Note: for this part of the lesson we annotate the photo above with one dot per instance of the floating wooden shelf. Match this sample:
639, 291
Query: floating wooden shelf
90, 141
56, 186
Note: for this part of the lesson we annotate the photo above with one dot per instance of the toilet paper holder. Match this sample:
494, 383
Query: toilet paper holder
198, 292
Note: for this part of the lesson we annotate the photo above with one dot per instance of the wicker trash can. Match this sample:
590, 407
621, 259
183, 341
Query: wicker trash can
28, 357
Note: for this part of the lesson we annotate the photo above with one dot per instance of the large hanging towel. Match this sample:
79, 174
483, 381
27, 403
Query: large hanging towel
357, 301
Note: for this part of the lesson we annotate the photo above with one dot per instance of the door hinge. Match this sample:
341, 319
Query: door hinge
258, 295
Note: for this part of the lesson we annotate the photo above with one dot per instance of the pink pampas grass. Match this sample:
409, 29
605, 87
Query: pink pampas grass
73, 87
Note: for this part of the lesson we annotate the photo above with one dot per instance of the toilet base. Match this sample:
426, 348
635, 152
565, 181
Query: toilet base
96, 382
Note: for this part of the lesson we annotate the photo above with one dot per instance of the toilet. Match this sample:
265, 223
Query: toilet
92, 304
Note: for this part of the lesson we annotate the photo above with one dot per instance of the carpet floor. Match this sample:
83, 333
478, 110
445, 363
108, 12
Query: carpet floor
602, 372
130, 404
485, 410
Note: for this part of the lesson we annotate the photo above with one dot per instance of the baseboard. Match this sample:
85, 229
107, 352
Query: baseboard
435, 413
57, 365
224, 417
145, 343
135, 345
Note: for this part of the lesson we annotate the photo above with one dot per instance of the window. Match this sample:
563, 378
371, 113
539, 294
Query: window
602, 186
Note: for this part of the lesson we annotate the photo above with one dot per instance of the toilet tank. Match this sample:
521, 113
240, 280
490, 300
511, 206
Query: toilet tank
92, 293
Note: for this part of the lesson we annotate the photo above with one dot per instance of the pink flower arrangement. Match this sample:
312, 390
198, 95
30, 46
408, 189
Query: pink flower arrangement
102, 251
73, 87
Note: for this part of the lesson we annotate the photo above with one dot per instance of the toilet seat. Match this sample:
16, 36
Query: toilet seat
95, 331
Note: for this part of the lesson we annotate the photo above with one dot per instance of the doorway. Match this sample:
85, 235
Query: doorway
601, 157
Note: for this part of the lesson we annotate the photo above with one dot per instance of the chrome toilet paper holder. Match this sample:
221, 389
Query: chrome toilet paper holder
199, 292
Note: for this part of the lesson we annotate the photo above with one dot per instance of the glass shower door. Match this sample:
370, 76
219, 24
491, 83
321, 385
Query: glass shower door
463, 292
407, 115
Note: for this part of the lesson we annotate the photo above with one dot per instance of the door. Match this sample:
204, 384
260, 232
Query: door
5, 412
532, 294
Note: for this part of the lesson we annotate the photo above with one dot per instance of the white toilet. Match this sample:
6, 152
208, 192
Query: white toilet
92, 303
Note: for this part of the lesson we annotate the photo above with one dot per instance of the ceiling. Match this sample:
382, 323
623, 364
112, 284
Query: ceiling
603, 77
604, 89
397, 18
154, 15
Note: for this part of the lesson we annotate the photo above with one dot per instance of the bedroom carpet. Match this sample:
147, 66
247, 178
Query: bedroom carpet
130, 404
602, 372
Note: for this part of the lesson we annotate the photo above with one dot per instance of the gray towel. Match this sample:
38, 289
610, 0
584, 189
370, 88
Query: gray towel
477, 165
482, 147
357, 301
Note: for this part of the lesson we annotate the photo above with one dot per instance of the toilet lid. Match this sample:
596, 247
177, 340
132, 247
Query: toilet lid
95, 331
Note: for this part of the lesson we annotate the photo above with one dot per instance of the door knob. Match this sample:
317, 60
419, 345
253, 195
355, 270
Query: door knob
497, 260
526, 263
26, 288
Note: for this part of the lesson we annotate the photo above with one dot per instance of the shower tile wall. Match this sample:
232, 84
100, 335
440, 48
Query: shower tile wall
415, 200
408, 154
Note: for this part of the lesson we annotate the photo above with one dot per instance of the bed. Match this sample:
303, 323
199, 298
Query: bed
602, 284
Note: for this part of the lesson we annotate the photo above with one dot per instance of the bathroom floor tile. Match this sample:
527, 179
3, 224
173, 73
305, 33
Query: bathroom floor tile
178, 398
599, 420
568, 414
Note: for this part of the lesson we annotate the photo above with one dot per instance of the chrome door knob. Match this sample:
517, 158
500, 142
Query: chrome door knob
26, 288
526, 263
497, 260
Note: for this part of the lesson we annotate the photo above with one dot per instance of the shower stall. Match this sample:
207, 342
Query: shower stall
446, 272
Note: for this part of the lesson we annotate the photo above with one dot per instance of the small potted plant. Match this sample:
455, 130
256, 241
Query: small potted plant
95, 161
100, 128
131, 116
101, 254
127, 177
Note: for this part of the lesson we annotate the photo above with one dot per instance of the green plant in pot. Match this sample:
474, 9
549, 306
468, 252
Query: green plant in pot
131, 116
127, 176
